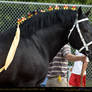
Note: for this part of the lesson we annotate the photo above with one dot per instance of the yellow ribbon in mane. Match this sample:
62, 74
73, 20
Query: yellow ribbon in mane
12, 50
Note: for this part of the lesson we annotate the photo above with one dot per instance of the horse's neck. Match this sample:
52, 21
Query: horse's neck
52, 39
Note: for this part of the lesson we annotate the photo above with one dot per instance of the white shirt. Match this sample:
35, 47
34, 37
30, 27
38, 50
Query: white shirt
78, 65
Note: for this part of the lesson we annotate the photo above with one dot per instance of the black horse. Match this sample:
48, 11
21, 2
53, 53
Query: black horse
41, 38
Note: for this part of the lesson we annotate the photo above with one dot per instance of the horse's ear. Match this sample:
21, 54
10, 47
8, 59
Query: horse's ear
79, 11
87, 13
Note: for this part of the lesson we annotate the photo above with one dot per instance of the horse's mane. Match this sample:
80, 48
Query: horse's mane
41, 21
46, 19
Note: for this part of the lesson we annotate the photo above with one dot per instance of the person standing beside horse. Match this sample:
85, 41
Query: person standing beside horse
57, 69
78, 75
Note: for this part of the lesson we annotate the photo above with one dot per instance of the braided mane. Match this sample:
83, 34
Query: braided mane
46, 19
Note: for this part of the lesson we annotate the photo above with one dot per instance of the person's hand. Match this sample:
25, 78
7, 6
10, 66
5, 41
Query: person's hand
83, 58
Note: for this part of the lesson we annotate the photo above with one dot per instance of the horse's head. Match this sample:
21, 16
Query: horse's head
80, 36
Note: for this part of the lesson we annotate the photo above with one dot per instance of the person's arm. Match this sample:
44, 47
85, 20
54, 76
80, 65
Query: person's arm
73, 58
84, 67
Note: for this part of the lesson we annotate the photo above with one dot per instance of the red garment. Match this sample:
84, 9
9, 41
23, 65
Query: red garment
75, 80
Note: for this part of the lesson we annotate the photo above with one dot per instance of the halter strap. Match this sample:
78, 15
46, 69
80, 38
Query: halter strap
84, 47
82, 20
76, 22
71, 30
82, 39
